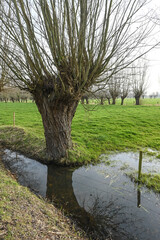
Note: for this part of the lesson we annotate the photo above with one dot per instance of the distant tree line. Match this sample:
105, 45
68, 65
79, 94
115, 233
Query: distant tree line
131, 81
14, 95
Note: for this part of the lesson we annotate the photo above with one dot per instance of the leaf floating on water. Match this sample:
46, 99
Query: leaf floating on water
107, 176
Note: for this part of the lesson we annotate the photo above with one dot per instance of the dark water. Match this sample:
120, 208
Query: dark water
102, 198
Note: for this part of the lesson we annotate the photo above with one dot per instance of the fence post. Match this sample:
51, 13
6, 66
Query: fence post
138, 196
140, 165
13, 119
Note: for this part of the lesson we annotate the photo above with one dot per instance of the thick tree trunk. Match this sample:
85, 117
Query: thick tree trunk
109, 102
102, 100
87, 100
113, 101
82, 100
137, 100
122, 101
57, 118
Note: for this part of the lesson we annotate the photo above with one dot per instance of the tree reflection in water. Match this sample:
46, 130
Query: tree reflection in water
60, 190
106, 208
103, 218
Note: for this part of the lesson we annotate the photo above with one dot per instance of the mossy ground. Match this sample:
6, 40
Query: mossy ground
23, 215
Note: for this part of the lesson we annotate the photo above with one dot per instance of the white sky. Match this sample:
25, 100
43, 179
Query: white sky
154, 71
154, 55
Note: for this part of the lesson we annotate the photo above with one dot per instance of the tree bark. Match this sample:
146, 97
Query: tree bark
109, 101
122, 101
82, 100
102, 101
113, 101
57, 118
87, 100
137, 100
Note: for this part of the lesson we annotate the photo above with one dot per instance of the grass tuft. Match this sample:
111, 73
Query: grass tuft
151, 181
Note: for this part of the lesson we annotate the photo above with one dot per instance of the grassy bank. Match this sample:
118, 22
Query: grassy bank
25, 216
151, 181
103, 128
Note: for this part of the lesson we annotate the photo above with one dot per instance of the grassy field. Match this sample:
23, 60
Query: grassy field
95, 128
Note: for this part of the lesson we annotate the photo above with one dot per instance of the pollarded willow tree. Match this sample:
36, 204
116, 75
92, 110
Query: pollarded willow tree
139, 80
114, 85
62, 48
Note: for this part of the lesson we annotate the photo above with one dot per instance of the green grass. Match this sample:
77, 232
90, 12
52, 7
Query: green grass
151, 181
105, 128
26, 114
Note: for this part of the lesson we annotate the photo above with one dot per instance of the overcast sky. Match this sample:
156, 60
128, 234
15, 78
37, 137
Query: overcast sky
154, 55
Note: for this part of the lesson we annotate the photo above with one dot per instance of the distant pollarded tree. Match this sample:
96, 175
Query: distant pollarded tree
139, 81
99, 92
85, 98
101, 95
4, 97
114, 85
108, 96
125, 84
125, 87
62, 48
119, 86
155, 94
102, 98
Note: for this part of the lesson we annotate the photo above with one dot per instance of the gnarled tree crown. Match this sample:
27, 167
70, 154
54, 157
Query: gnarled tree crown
66, 46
